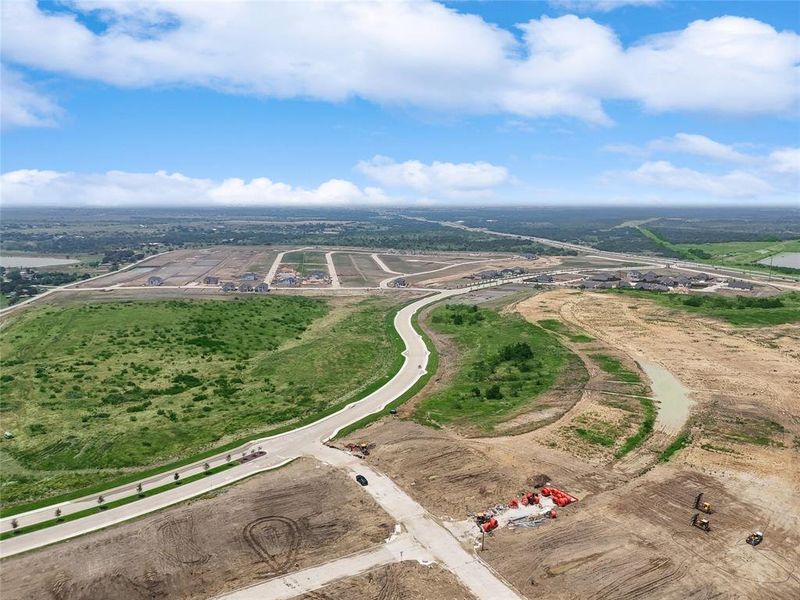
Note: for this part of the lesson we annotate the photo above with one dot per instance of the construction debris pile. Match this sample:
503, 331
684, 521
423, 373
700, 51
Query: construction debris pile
529, 510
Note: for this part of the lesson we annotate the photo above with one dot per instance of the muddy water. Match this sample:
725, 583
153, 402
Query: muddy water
671, 398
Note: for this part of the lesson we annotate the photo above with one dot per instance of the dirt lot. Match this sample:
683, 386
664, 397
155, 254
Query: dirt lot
268, 525
358, 269
636, 542
630, 536
182, 267
745, 390
402, 581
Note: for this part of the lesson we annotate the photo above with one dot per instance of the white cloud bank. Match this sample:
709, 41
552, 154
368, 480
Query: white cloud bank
758, 176
735, 184
416, 53
450, 180
31, 187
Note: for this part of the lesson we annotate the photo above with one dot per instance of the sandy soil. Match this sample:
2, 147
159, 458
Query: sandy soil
745, 382
299, 516
636, 542
402, 581
630, 536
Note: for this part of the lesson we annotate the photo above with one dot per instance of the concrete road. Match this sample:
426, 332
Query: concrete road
279, 448
332, 270
402, 547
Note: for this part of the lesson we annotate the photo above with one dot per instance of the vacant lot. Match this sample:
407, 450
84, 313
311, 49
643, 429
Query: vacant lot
358, 269
401, 581
89, 390
504, 363
266, 526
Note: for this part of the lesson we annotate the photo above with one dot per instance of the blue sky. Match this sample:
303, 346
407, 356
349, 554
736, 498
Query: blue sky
110, 103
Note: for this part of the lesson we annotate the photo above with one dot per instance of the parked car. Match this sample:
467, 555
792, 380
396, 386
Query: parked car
361, 479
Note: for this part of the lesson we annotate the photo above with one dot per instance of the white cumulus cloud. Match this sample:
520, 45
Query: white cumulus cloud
444, 178
414, 53
32, 187
786, 160
734, 184
699, 145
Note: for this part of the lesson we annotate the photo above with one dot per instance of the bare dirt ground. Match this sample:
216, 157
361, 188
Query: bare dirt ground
745, 382
401, 581
302, 515
630, 536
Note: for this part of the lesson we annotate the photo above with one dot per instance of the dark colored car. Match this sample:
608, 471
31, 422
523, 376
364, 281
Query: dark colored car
361, 479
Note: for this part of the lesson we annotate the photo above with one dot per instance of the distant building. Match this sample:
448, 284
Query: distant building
262, 288
316, 275
737, 284
650, 277
624, 285
634, 275
154, 280
651, 287
246, 287
249, 277
604, 277
683, 280
211, 280
486, 275
400, 282
286, 279
228, 287
544, 279
667, 281
588, 284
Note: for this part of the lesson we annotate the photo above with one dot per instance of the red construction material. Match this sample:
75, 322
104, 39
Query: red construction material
524, 501
489, 525
553, 514
513, 503
545, 491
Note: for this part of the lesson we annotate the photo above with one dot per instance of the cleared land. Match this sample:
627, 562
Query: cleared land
358, 270
267, 526
504, 363
402, 581
91, 391
629, 536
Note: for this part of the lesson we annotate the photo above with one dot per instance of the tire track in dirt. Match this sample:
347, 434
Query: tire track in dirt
275, 539
178, 538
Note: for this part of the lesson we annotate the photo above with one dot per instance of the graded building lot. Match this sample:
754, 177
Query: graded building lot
184, 267
358, 269
630, 536
302, 515
401, 581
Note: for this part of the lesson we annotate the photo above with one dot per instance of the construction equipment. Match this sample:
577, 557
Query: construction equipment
702, 506
701, 523
755, 538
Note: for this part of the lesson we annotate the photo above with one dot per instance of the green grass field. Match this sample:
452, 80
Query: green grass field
744, 255
504, 363
741, 311
91, 392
